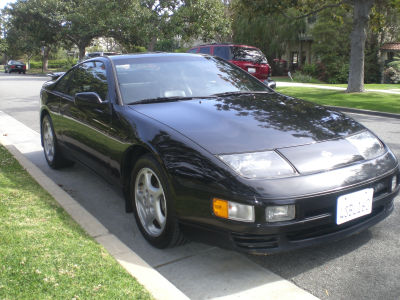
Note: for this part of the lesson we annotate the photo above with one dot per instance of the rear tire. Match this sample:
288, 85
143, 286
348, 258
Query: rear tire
152, 204
51, 149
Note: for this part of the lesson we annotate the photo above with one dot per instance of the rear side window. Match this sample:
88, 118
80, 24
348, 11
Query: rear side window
253, 55
205, 50
223, 52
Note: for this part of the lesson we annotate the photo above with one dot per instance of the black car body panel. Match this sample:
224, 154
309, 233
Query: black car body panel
186, 137
250, 123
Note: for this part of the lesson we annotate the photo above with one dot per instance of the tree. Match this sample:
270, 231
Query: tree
158, 15
204, 19
30, 26
269, 33
129, 24
146, 22
81, 21
331, 44
361, 12
3, 42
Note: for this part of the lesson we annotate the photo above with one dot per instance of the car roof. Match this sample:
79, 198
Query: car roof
226, 44
149, 55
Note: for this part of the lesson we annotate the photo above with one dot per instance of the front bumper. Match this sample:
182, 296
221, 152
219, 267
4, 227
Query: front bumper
315, 223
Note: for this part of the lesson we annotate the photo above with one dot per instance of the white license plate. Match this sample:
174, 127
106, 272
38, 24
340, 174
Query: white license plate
251, 70
354, 205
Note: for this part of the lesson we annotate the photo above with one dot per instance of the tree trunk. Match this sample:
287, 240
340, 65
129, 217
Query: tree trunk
82, 50
152, 44
358, 36
46, 53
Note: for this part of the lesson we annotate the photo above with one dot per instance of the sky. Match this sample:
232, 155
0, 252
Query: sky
4, 2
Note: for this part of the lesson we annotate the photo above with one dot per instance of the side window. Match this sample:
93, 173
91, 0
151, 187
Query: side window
194, 50
62, 85
223, 52
90, 77
205, 50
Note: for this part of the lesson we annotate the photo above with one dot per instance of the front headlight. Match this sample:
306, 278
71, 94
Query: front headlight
367, 144
259, 165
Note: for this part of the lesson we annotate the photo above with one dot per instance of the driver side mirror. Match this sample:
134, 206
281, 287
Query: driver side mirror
88, 98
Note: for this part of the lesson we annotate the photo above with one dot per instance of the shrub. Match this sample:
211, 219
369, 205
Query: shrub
36, 64
137, 49
395, 65
310, 69
392, 75
55, 64
181, 50
322, 74
338, 73
304, 78
61, 63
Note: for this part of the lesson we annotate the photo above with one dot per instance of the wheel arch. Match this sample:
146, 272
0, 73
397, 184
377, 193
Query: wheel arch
129, 159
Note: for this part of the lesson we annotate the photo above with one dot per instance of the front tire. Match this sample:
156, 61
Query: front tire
51, 150
152, 204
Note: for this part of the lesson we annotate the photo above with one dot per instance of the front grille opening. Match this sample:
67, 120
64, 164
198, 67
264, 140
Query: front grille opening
330, 228
252, 241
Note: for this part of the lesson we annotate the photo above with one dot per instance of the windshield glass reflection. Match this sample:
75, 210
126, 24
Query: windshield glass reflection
191, 76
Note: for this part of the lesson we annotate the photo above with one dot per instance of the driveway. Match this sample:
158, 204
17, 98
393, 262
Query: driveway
364, 266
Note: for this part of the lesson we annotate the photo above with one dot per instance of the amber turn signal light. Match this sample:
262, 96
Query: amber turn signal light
220, 208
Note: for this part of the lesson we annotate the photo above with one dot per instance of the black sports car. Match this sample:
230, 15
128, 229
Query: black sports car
206, 152
15, 66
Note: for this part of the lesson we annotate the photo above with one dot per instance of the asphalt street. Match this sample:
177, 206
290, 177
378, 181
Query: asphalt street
364, 266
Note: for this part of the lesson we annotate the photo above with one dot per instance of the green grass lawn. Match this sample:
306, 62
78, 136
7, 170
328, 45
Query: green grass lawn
373, 86
369, 100
44, 254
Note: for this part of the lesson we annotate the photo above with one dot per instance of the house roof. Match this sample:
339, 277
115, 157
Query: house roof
391, 46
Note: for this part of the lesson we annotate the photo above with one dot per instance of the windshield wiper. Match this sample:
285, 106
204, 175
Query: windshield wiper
167, 99
241, 93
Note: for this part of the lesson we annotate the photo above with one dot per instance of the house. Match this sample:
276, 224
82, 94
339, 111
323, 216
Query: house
389, 51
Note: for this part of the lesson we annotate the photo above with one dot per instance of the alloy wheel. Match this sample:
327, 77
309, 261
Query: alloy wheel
150, 202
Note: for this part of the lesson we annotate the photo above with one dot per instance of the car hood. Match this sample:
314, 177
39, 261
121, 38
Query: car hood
250, 122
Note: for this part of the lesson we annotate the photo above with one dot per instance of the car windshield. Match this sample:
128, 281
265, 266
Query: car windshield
179, 77
15, 62
248, 54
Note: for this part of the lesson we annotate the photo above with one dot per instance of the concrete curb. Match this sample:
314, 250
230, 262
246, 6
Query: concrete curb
364, 111
152, 280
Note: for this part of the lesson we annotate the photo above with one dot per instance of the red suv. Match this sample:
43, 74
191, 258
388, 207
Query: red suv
250, 59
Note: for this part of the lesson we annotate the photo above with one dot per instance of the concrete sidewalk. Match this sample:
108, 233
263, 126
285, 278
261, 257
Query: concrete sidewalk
325, 87
194, 271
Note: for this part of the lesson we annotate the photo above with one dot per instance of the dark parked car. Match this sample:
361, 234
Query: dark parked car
204, 151
99, 53
249, 58
15, 66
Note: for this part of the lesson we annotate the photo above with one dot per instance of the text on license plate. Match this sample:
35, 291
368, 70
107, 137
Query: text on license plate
354, 205
251, 70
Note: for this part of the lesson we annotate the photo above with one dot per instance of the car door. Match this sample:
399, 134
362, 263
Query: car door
87, 125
